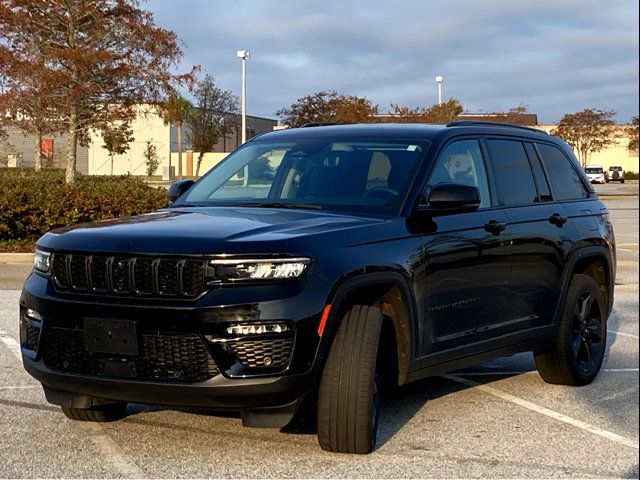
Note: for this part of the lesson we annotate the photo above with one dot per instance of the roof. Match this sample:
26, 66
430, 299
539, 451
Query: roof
413, 131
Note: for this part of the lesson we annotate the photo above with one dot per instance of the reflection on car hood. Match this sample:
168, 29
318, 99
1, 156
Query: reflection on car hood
202, 230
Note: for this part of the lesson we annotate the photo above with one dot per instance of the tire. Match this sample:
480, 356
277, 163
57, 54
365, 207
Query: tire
100, 414
348, 394
580, 344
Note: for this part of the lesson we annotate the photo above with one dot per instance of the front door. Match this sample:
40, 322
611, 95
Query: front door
465, 280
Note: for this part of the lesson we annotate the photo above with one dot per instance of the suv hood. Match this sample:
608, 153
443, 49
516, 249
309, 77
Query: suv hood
202, 230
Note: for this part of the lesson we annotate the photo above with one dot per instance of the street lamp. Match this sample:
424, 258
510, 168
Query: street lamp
244, 55
439, 79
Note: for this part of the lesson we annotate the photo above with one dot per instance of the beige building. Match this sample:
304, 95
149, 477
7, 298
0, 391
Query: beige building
147, 126
617, 154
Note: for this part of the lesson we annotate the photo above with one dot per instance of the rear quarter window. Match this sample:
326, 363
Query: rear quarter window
565, 181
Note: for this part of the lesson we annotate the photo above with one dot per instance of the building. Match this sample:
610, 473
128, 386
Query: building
147, 126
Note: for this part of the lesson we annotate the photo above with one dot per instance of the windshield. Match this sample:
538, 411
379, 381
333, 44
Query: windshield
364, 176
594, 170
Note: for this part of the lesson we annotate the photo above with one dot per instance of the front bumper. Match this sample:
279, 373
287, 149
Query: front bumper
233, 383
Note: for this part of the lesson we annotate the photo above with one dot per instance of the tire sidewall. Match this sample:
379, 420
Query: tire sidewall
580, 285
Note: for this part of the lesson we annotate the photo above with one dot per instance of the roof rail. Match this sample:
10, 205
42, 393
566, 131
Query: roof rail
319, 124
470, 123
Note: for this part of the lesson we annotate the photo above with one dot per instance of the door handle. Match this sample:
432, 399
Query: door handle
495, 227
558, 220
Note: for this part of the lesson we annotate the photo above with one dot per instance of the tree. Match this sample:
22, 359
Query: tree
177, 110
632, 132
212, 119
443, 114
151, 158
116, 140
588, 131
87, 62
330, 107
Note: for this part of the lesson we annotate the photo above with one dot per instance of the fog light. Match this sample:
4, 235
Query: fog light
257, 329
34, 315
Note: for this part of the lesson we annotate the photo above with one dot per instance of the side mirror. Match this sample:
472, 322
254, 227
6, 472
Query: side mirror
450, 198
178, 188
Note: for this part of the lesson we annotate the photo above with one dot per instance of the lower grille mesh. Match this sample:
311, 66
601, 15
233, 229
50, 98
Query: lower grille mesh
175, 358
263, 353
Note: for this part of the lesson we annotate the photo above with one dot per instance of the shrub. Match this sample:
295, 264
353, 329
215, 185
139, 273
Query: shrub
32, 204
630, 175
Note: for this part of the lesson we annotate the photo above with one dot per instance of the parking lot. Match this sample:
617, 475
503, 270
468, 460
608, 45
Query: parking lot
498, 419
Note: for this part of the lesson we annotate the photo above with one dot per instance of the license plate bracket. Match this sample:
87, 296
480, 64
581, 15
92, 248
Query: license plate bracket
107, 335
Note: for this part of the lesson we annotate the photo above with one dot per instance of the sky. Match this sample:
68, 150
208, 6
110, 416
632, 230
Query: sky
554, 56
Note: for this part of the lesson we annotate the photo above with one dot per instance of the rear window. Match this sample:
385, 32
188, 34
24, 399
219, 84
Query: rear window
512, 172
565, 181
595, 170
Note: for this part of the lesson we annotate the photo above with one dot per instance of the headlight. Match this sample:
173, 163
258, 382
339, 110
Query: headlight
237, 270
42, 261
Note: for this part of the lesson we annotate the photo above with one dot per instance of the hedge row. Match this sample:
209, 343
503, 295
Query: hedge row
32, 204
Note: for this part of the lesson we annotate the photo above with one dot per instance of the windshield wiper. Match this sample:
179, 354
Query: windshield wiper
308, 206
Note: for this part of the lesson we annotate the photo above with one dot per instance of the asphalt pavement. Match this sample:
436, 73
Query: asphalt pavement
498, 419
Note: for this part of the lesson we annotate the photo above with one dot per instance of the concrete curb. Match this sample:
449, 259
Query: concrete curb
16, 258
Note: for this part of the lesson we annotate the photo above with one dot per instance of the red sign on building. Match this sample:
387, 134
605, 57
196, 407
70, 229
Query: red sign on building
46, 147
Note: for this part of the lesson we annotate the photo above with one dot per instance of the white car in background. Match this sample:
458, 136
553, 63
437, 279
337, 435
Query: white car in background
615, 174
595, 173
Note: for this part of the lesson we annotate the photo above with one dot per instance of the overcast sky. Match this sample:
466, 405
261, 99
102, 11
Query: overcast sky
555, 56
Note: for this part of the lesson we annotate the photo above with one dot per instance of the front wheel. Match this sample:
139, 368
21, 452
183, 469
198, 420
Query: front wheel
579, 347
102, 413
348, 395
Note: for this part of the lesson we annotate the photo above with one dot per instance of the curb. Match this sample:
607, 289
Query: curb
16, 258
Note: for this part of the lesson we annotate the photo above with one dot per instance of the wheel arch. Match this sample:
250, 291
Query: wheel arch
597, 263
388, 291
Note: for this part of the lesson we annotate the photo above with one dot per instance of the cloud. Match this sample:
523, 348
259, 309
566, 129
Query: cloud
555, 57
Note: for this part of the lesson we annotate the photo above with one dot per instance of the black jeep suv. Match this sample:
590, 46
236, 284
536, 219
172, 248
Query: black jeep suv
316, 263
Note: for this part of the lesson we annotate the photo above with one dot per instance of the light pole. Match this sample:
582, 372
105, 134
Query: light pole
439, 79
244, 55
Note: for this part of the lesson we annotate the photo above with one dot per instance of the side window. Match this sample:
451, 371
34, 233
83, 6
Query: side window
564, 179
512, 172
538, 174
461, 162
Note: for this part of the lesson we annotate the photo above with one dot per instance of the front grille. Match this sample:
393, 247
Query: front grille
138, 276
163, 357
263, 353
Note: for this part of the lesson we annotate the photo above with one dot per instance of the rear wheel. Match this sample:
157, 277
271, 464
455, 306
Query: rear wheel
349, 388
578, 350
101, 413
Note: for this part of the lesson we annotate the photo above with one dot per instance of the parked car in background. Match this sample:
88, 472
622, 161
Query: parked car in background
615, 174
595, 173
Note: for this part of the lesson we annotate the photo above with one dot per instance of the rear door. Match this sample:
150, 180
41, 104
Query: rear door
540, 233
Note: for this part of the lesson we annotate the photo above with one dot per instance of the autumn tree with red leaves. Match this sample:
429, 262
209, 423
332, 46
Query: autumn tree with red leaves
328, 107
588, 131
85, 63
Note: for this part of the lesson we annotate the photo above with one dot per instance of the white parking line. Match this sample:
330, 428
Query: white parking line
522, 372
15, 387
628, 442
623, 334
110, 451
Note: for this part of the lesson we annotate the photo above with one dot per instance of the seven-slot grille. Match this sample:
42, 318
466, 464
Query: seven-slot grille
139, 276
